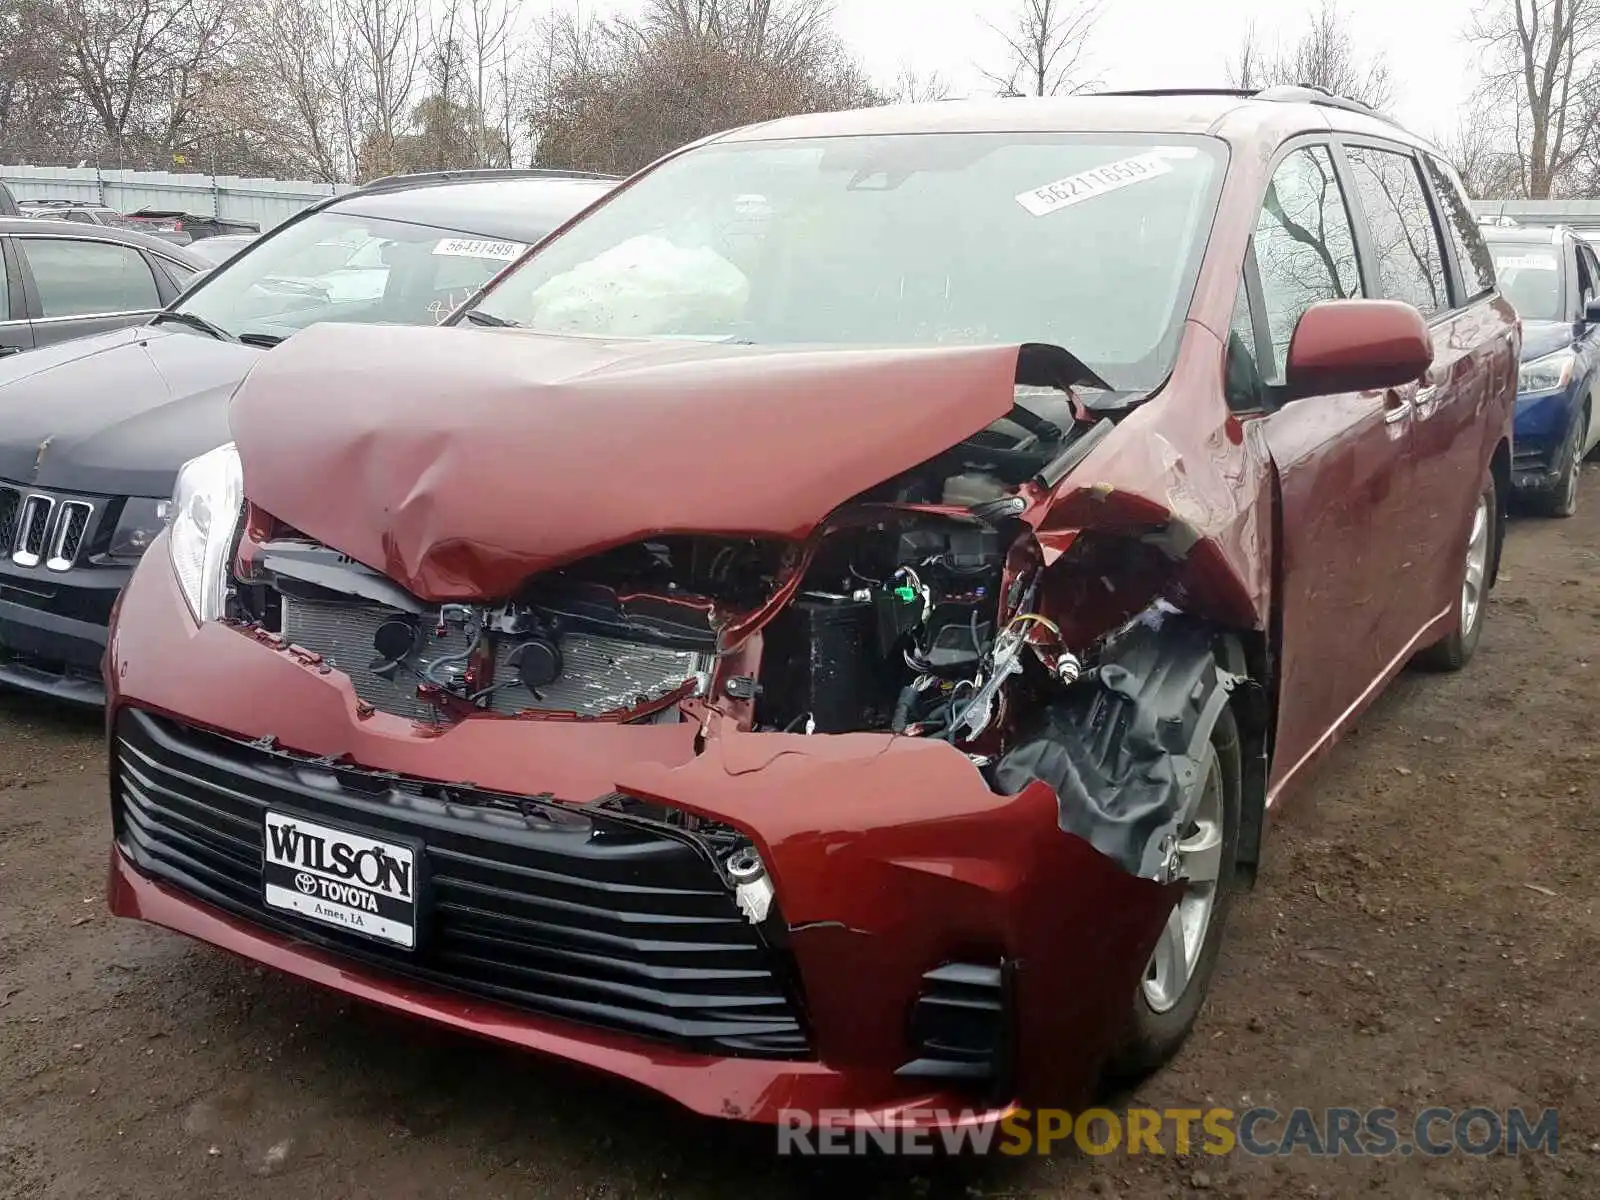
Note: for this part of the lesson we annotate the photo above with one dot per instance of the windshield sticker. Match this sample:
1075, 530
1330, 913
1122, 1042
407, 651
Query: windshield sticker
1526, 262
479, 248
1085, 185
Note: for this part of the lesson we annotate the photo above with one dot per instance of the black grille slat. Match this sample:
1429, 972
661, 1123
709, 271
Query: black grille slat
35, 525
10, 501
591, 917
71, 526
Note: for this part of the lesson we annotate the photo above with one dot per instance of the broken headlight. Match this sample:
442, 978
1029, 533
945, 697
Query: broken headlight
206, 506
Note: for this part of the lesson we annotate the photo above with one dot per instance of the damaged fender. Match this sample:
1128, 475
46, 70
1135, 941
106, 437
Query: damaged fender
1126, 754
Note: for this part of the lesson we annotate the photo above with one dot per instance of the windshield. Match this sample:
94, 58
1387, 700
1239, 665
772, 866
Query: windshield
1530, 277
1090, 242
341, 266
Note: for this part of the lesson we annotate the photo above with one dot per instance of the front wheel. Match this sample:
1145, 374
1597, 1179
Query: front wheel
1169, 998
1453, 652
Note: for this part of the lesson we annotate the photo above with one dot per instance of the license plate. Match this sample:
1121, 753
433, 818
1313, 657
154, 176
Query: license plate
339, 878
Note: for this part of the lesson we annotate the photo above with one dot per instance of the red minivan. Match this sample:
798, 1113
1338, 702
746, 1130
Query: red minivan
829, 628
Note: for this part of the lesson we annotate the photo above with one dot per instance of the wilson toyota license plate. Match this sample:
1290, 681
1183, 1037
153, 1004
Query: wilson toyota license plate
353, 882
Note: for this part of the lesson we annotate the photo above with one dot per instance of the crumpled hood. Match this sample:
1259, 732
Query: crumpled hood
118, 413
1544, 337
460, 462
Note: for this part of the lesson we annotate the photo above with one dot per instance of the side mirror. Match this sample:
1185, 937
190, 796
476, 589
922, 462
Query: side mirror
1356, 346
1591, 311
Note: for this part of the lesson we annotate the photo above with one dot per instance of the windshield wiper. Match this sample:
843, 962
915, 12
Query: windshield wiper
478, 317
265, 340
193, 321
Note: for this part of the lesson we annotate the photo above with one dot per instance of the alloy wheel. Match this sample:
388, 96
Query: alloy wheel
1199, 859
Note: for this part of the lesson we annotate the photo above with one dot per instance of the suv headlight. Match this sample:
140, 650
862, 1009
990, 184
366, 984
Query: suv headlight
142, 520
206, 506
1547, 374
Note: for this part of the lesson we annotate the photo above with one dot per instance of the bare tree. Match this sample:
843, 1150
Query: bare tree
913, 87
1046, 48
140, 66
1324, 56
297, 59
1542, 56
612, 95
387, 46
1483, 150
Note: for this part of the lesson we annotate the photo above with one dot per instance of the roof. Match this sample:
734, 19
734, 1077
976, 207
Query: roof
101, 233
1233, 115
517, 209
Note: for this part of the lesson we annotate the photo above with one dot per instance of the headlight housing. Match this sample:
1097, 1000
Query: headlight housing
206, 506
141, 521
1548, 374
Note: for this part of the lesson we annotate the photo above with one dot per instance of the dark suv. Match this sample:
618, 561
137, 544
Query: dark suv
93, 431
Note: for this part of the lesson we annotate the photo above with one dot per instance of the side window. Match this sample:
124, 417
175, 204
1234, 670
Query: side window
1585, 275
79, 277
1242, 384
5, 286
1472, 253
1404, 239
1592, 264
1304, 247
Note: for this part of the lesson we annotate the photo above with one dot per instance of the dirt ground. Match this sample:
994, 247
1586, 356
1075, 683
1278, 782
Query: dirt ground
1424, 933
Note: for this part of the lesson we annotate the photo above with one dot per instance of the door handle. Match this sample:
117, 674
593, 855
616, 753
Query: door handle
5, 350
1396, 407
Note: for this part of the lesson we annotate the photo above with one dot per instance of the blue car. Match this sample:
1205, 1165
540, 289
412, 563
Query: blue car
1553, 278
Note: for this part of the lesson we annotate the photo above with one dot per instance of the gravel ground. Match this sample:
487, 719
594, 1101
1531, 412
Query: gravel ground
1423, 934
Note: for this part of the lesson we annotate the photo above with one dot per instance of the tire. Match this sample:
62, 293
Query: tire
1157, 1029
1560, 499
1456, 649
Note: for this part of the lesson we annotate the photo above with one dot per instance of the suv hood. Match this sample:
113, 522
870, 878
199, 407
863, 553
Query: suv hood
118, 413
459, 462
1544, 337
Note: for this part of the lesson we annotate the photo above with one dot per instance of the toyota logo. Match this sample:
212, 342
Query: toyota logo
306, 882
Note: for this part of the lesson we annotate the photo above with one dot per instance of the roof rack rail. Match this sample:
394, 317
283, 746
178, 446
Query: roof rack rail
1240, 93
476, 174
1305, 93
1310, 93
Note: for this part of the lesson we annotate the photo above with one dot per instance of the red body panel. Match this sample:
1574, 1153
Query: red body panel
507, 454
890, 855
1324, 531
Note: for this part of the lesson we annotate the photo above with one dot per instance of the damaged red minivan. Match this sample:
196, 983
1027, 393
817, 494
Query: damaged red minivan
829, 629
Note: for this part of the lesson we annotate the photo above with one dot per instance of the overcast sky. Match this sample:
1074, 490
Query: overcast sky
1171, 43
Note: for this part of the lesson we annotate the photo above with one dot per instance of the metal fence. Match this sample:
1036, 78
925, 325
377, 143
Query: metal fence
265, 202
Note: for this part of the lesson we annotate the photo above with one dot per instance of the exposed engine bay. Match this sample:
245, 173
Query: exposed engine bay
908, 611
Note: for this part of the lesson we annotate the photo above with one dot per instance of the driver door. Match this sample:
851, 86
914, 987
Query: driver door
1342, 463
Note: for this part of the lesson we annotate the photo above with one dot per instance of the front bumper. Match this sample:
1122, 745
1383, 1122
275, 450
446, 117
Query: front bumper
53, 628
890, 856
1543, 420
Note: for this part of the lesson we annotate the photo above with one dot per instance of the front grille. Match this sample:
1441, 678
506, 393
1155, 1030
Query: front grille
33, 526
37, 527
558, 909
1530, 460
960, 1025
599, 675
71, 525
